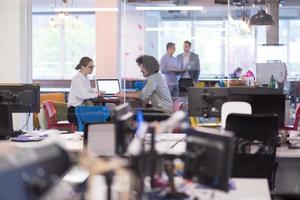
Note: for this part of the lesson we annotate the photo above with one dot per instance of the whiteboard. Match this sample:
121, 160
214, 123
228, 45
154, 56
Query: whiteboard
264, 71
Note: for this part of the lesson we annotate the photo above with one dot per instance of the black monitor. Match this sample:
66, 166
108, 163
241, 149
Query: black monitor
206, 102
209, 155
16, 98
185, 83
124, 128
31, 173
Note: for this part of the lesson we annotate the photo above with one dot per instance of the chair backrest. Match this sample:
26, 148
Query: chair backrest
297, 118
256, 140
50, 113
91, 114
234, 107
57, 97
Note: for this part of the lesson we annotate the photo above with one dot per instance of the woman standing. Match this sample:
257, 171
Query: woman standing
81, 87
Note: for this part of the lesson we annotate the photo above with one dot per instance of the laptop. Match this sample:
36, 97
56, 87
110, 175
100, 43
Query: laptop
110, 86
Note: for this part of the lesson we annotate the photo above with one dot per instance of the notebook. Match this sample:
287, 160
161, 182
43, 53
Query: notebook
110, 86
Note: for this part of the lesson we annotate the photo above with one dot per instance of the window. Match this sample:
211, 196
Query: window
58, 44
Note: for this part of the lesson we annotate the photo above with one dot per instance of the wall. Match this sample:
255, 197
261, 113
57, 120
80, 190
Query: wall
107, 45
15, 51
133, 39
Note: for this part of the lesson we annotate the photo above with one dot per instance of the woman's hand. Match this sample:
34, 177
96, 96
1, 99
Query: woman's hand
101, 93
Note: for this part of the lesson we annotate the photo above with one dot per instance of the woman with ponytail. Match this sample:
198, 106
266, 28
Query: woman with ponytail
81, 87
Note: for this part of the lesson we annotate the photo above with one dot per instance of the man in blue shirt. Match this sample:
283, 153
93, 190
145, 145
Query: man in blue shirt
171, 69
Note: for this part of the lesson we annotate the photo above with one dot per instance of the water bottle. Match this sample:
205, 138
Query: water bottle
272, 82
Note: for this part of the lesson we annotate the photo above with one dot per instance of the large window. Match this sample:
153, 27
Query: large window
59, 42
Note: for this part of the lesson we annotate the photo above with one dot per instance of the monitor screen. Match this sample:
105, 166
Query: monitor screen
206, 102
209, 155
264, 71
99, 139
110, 86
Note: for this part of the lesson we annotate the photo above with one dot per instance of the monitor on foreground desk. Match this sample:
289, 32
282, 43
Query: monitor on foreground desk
209, 156
16, 98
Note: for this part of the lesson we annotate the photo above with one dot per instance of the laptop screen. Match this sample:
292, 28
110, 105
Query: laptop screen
110, 86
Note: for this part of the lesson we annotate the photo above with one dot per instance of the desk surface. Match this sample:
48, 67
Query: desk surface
246, 189
74, 142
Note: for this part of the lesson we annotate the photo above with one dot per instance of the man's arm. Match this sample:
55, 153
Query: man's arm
163, 66
196, 72
148, 89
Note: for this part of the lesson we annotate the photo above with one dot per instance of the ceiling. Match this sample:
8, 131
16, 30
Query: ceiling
289, 8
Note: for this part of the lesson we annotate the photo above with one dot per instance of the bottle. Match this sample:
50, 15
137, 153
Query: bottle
272, 82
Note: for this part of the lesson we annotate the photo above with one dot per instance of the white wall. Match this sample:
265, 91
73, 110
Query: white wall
15, 45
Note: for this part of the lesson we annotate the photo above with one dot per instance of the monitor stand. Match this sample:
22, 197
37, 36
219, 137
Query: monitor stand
6, 124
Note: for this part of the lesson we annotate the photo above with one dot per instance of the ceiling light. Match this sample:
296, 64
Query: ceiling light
261, 18
162, 8
86, 9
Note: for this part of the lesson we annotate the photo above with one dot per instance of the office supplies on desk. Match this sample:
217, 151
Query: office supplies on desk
22, 138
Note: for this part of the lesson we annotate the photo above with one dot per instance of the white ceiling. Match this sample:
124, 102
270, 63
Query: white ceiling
289, 7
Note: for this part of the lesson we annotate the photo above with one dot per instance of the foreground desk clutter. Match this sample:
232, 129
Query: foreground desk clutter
241, 188
161, 160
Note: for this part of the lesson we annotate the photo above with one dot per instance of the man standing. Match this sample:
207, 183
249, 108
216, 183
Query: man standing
170, 68
189, 62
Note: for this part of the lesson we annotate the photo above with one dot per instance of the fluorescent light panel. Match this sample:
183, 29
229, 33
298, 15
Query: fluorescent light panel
86, 9
162, 8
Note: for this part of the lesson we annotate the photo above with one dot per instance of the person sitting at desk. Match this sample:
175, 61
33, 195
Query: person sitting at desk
81, 88
156, 89
237, 73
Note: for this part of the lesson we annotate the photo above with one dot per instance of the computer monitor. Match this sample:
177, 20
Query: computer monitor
99, 139
110, 86
264, 71
185, 83
20, 98
206, 102
124, 128
208, 158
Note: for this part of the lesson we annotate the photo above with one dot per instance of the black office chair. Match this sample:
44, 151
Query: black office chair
285, 196
255, 151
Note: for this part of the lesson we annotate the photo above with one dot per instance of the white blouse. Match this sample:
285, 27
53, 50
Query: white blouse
80, 90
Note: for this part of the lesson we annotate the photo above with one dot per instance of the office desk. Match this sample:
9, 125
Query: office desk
246, 189
72, 142
288, 171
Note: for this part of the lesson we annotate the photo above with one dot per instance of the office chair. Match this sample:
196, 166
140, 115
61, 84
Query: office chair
91, 114
285, 196
56, 97
255, 151
51, 115
234, 107
296, 121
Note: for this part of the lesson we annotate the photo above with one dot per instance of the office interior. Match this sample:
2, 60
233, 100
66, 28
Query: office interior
43, 40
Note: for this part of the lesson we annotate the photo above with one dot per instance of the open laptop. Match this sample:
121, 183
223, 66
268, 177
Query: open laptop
110, 86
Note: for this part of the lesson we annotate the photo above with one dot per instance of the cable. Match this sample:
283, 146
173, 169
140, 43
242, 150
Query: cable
26, 122
29, 109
